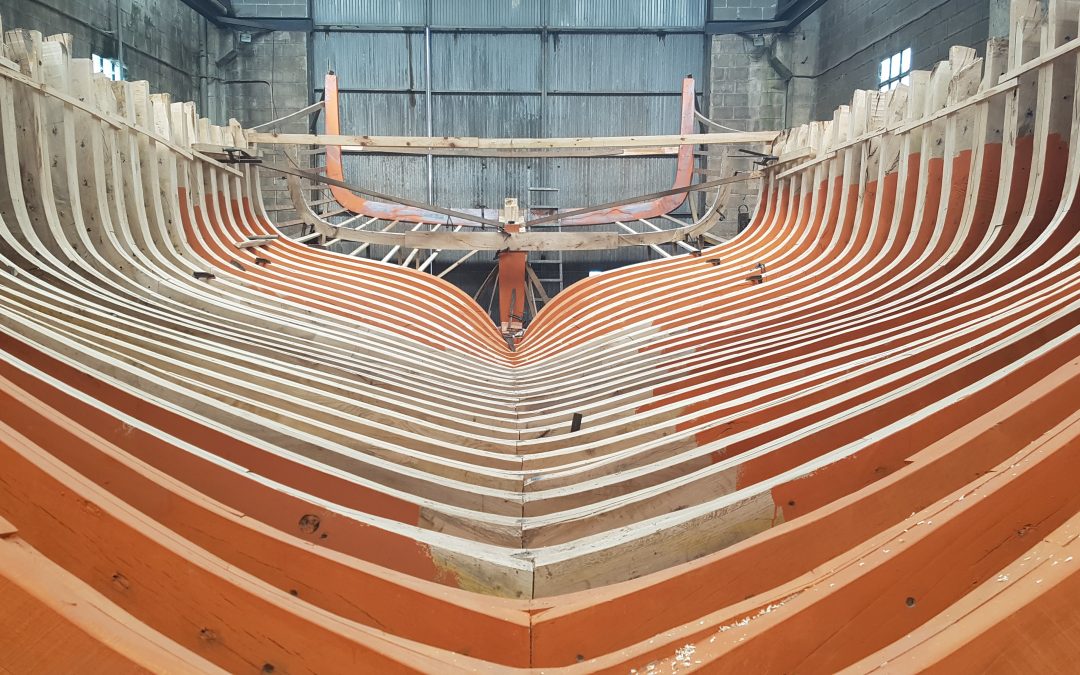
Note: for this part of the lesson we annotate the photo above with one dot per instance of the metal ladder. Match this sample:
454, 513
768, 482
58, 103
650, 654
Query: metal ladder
548, 269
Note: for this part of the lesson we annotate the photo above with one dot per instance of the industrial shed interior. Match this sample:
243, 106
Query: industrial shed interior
628, 336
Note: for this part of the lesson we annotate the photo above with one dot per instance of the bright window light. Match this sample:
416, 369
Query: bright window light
112, 68
895, 71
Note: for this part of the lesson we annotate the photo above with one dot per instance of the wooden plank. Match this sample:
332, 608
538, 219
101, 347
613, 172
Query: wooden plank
1005, 86
210, 160
252, 243
1049, 57
537, 285
1002, 88
434, 254
699, 187
298, 114
511, 154
515, 241
379, 195
456, 263
424, 143
806, 165
793, 155
363, 247
80, 105
659, 251
678, 223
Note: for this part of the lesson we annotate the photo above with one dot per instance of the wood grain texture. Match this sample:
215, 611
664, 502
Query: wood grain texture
845, 440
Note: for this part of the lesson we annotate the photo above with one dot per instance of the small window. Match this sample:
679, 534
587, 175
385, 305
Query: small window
895, 70
112, 68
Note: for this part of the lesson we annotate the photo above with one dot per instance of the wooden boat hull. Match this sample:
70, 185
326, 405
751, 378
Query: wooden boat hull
845, 438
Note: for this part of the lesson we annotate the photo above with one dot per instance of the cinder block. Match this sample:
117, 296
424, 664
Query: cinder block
722, 113
741, 113
724, 86
737, 100
722, 60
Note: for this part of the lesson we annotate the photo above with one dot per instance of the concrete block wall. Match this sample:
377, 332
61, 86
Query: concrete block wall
798, 52
164, 43
163, 39
745, 94
833, 52
855, 35
748, 93
267, 79
292, 9
733, 10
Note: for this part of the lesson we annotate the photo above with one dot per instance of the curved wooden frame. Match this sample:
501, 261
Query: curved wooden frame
844, 438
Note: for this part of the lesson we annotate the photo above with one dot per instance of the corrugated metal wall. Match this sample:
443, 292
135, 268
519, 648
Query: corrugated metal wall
511, 68
590, 14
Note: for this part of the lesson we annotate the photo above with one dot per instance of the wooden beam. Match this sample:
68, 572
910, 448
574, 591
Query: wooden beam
515, 154
429, 142
537, 284
709, 236
393, 250
363, 247
434, 254
252, 243
641, 198
515, 241
656, 228
814, 162
662, 252
456, 263
795, 155
1007, 84
303, 112
109, 119
468, 217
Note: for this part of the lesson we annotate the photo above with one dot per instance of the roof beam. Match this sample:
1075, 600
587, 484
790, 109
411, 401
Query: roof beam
211, 9
789, 14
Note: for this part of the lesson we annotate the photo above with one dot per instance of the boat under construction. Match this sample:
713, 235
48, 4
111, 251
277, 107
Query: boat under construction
846, 439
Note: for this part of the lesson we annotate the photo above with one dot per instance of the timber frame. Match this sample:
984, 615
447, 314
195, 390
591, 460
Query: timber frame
847, 437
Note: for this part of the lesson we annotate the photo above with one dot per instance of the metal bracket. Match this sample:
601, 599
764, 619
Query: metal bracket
239, 156
763, 158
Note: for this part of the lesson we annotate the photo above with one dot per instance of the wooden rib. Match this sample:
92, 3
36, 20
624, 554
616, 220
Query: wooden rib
867, 396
